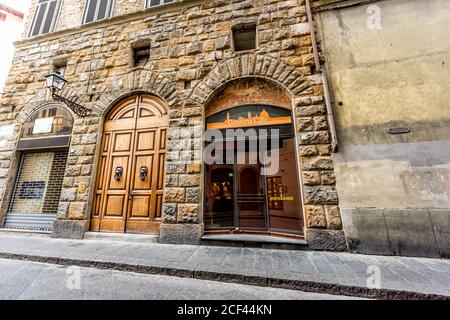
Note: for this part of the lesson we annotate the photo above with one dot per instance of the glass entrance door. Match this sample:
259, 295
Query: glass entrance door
250, 197
242, 196
219, 206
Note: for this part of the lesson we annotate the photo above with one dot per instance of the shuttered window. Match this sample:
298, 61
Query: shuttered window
154, 3
45, 17
97, 10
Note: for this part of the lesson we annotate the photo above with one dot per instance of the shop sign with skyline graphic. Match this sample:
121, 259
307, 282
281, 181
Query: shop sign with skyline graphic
249, 116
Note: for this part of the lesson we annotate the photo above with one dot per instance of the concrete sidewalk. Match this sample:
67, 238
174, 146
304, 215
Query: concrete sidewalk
311, 271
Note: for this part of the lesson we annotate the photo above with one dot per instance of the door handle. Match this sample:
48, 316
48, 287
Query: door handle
130, 196
143, 171
118, 173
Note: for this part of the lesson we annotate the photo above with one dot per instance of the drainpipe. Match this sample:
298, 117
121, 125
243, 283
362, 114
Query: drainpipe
326, 90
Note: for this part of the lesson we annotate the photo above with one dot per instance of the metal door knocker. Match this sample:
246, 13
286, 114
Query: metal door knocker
143, 171
118, 173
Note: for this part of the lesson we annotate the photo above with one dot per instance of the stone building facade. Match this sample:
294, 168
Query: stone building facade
192, 66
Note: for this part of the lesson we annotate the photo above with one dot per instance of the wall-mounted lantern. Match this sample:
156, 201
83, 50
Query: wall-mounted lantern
56, 82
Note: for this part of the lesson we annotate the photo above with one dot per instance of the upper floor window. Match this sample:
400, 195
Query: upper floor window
97, 10
44, 20
154, 3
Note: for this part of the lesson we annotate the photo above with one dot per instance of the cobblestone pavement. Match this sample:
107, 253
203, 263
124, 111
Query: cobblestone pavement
33, 280
325, 272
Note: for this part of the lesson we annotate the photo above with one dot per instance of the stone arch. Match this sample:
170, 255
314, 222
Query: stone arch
245, 66
140, 80
42, 98
247, 91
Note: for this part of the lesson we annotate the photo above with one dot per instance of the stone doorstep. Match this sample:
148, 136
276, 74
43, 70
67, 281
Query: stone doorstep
121, 237
300, 285
255, 240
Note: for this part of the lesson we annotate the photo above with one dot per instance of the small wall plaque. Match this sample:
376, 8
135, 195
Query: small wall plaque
43, 125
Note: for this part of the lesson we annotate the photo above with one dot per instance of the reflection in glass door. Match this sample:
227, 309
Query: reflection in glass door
220, 196
250, 197
283, 196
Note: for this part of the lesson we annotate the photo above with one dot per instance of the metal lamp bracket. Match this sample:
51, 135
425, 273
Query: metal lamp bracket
75, 107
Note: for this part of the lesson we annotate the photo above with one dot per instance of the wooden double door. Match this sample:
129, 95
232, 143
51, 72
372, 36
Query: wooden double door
130, 180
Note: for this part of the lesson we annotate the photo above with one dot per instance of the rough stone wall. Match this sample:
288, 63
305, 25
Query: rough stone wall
393, 188
190, 42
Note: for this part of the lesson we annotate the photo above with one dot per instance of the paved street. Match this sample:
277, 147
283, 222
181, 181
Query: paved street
31, 280
322, 272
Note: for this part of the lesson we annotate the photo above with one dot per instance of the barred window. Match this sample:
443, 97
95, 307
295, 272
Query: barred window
97, 10
244, 37
154, 3
44, 20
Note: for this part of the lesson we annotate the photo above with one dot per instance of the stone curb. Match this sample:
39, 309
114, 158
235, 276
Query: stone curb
300, 285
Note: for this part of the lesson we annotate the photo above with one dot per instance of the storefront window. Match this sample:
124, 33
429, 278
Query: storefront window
43, 148
240, 193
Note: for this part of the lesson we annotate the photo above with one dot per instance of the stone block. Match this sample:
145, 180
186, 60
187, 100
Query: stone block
333, 215
169, 212
183, 233
223, 43
189, 180
68, 194
171, 180
193, 168
193, 195
315, 217
309, 111
316, 137
324, 149
323, 239
328, 177
311, 177
320, 123
305, 124
321, 195
317, 163
308, 151
194, 47
77, 210
174, 195
70, 229
188, 213
176, 168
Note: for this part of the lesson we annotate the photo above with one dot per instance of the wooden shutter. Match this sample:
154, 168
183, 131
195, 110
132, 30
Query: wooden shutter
51, 15
45, 17
97, 10
90, 11
103, 6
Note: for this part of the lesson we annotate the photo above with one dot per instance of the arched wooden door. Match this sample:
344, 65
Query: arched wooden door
130, 179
